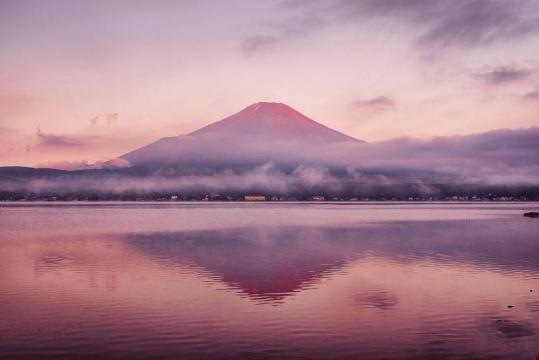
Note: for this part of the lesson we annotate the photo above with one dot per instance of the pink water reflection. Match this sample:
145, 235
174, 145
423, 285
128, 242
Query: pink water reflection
399, 289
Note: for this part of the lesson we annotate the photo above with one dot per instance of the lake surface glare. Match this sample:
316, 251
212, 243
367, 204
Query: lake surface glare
269, 281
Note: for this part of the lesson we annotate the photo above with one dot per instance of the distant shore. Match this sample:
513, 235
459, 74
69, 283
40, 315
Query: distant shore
270, 201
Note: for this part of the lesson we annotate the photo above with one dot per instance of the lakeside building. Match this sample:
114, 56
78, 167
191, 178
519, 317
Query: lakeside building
254, 198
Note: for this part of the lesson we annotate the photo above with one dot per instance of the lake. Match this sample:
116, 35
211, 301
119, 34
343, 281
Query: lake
269, 281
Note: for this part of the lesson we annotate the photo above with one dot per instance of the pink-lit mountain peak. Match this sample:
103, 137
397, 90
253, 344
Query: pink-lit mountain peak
260, 131
272, 121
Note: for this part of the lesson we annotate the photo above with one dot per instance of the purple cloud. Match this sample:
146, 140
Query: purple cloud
532, 95
464, 22
257, 43
284, 30
441, 23
379, 103
504, 75
94, 120
116, 163
53, 140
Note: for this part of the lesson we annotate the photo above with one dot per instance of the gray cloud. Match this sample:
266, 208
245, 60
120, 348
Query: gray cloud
378, 104
53, 140
295, 4
85, 165
532, 95
284, 30
478, 22
257, 43
440, 23
94, 120
501, 157
504, 75
498, 156
444, 23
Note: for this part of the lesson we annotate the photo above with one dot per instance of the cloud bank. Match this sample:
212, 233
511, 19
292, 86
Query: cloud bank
438, 23
506, 158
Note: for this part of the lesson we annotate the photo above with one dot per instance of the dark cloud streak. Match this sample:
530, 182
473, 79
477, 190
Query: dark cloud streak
532, 95
53, 140
379, 104
257, 43
504, 75
441, 23
445, 23
286, 29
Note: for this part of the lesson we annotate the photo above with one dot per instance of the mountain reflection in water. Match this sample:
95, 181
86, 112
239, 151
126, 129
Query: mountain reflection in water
271, 263
402, 289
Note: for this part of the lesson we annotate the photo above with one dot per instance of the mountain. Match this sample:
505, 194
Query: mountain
270, 148
261, 132
272, 121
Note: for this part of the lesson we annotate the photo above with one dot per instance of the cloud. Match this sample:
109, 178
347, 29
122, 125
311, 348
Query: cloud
53, 140
376, 104
109, 119
479, 22
502, 157
66, 165
79, 140
283, 30
295, 4
504, 75
437, 23
94, 120
444, 23
112, 118
85, 165
257, 43
532, 95
117, 163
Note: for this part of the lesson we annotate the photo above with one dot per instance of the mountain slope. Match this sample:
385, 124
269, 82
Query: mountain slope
272, 121
260, 132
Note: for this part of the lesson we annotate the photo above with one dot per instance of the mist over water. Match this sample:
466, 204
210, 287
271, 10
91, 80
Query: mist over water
315, 281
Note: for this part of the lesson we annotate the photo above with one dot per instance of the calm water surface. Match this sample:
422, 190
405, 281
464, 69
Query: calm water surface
257, 281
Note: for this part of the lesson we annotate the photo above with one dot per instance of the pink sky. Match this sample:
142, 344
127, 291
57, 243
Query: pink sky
83, 80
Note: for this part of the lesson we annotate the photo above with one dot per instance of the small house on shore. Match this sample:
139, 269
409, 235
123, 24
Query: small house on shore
254, 198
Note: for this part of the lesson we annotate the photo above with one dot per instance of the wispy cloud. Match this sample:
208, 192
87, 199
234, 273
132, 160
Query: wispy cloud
503, 157
436, 23
376, 104
54, 140
85, 164
282, 30
531, 95
504, 75
444, 23
296, 4
257, 43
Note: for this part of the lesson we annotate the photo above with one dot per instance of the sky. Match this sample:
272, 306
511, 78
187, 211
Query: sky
87, 81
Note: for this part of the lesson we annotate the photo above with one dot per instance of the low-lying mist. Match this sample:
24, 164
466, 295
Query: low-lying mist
501, 159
